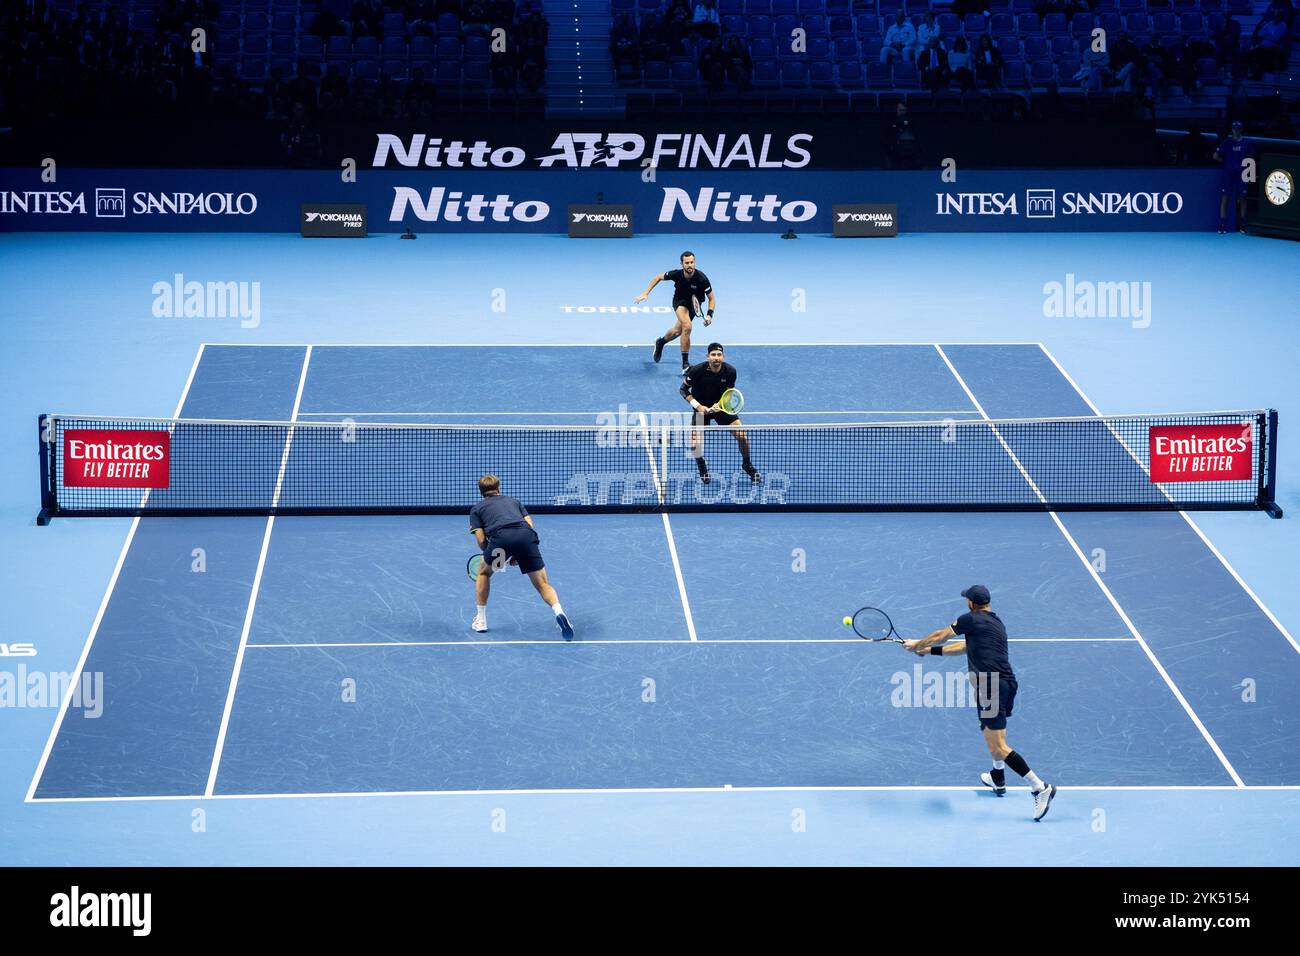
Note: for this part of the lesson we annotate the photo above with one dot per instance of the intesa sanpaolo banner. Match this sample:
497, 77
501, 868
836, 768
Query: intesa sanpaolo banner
679, 201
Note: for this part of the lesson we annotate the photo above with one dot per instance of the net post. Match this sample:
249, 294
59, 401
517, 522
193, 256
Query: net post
1268, 495
45, 448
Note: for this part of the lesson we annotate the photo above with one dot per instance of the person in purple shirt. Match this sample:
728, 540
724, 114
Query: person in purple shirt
1233, 153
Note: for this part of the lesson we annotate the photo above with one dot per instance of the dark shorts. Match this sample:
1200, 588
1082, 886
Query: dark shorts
1229, 183
1006, 700
715, 418
520, 543
685, 303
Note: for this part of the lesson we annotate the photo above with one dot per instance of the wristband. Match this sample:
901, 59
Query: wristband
710, 313
938, 651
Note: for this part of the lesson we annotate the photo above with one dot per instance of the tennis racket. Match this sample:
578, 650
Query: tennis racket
499, 561
873, 624
697, 311
472, 566
732, 401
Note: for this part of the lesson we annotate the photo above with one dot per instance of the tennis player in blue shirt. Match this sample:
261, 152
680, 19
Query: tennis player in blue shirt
504, 531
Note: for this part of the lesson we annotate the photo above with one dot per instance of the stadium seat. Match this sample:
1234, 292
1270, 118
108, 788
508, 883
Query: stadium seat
879, 76
1211, 6
1066, 69
816, 26
252, 71
255, 46
1063, 46
849, 75
1082, 25
448, 48
366, 48
949, 25
821, 76
1111, 23
794, 75
1009, 47
785, 24
476, 48
1001, 24
394, 25
839, 8
394, 48
845, 48
783, 7
760, 25
840, 26
906, 76
310, 47
284, 23
1036, 48
1191, 24
282, 46
758, 6
1015, 74
395, 70
366, 69
812, 8
871, 48
1163, 23
1054, 24
448, 23
766, 75
1042, 72
1207, 71
422, 49
868, 25
339, 49
733, 23
448, 71
684, 75
476, 73
762, 48
656, 74
974, 25
1132, 6
724, 6
1137, 23
1029, 23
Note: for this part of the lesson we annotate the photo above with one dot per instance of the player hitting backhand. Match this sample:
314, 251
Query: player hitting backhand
702, 386
690, 286
504, 531
985, 648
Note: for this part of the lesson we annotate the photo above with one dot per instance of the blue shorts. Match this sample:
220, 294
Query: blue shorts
1231, 184
519, 542
1006, 700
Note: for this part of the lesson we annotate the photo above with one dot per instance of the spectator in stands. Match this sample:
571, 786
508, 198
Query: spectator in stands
989, 68
654, 33
623, 45
933, 64
713, 64
960, 66
705, 18
680, 19
925, 31
300, 141
1183, 65
1094, 68
902, 140
1283, 10
740, 65
1157, 65
900, 40
1269, 45
477, 15
1227, 41
1124, 60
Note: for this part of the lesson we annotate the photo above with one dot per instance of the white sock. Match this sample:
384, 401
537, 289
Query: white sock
1034, 781
557, 609
999, 765
482, 613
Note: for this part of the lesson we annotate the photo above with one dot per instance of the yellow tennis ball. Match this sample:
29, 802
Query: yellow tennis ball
848, 622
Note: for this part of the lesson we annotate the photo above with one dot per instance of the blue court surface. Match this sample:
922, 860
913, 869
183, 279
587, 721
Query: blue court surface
314, 693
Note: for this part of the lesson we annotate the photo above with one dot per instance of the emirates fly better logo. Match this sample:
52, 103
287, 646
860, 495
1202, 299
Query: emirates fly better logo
1201, 452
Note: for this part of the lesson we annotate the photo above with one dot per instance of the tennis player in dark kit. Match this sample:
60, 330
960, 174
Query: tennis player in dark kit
985, 647
702, 386
504, 530
690, 286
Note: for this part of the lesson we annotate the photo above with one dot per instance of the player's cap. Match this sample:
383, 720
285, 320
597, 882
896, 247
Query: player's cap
977, 593
714, 346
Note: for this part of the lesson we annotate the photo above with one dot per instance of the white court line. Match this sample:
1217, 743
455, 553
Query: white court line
576, 345
668, 528
257, 584
477, 414
814, 640
1205, 733
1186, 517
103, 604
597, 791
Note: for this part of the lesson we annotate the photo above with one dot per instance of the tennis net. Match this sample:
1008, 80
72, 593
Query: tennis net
94, 466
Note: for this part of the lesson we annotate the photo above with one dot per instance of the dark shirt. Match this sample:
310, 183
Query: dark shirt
496, 512
705, 385
1233, 152
697, 285
986, 644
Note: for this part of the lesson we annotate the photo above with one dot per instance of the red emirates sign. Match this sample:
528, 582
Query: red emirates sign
1201, 452
116, 458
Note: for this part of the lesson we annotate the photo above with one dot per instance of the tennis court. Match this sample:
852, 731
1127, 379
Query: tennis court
332, 655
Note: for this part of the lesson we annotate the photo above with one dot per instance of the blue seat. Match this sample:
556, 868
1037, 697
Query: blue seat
821, 76
766, 75
794, 75
849, 75
760, 25
845, 48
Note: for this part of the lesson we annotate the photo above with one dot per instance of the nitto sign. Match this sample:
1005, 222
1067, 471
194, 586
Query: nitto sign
710, 205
